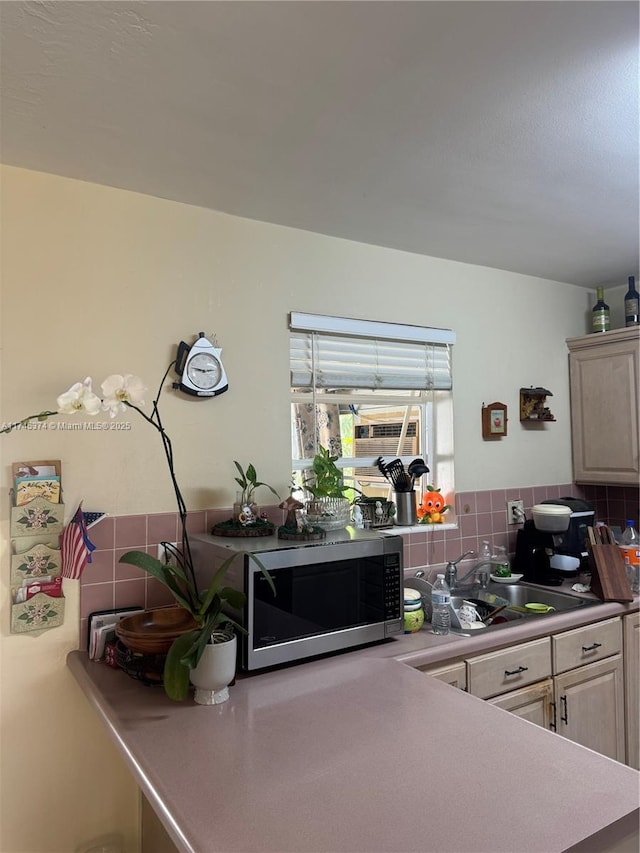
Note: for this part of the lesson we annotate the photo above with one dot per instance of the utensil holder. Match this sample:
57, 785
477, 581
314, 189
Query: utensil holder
405, 508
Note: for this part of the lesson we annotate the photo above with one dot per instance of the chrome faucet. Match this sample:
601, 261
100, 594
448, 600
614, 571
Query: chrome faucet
451, 572
483, 576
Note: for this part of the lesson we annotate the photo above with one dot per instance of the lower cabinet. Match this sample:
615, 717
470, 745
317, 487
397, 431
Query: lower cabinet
631, 641
454, 674
589, 706
589, 687
533, 703
575, 683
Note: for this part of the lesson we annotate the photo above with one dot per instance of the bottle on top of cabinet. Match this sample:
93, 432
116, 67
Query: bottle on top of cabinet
600, 320
632, 304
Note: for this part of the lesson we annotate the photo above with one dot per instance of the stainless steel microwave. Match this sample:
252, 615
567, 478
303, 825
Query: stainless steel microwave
336, 594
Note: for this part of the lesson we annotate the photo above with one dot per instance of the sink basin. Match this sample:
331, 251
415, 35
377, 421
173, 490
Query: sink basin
516, 596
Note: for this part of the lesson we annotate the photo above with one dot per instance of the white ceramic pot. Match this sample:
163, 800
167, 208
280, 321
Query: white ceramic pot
216, 670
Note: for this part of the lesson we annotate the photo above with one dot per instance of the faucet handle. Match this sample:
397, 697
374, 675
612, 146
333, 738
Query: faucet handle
451, 572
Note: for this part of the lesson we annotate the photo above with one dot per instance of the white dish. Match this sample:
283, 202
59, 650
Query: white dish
411, 595
471, 626
511, 579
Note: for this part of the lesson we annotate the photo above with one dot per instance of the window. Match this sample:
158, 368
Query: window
367, 389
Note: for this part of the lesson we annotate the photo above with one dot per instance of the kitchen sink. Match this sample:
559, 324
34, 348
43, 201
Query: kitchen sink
518, 595
514, 596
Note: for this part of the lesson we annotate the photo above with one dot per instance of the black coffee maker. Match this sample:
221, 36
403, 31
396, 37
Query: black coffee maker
549, 558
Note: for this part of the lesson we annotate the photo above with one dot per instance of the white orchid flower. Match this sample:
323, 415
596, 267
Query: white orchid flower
79, 398
118, 390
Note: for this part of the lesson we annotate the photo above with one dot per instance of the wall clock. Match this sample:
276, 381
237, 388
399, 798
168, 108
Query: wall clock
200, 369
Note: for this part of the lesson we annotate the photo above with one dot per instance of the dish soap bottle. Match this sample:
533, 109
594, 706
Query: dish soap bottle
485, 551
500, 561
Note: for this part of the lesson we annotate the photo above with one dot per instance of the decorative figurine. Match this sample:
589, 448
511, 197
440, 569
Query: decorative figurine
292, 506
433, 507
358, 520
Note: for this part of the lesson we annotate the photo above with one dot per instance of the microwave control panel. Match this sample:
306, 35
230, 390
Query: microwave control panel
392, 587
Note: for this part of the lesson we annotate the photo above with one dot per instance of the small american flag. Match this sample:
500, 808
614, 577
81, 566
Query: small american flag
76, 546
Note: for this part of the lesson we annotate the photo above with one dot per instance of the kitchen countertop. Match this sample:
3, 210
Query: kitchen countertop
362, 752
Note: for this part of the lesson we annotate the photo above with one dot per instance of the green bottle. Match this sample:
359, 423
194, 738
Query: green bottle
600, 321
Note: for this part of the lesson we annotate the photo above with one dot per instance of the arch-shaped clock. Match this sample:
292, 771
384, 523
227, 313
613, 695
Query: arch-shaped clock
200, 369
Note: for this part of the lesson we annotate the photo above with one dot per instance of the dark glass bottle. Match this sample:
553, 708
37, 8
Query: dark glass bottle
600, 321
631, 302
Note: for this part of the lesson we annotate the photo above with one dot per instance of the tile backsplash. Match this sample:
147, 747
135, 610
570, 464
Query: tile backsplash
107, 583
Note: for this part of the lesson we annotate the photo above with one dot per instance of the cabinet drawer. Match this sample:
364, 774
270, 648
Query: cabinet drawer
586, 645
498, 672
454, 674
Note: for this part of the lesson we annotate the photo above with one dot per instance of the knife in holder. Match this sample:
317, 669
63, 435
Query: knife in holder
609, 579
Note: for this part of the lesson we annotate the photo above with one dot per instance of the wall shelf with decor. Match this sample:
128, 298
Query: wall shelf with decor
533, 408
37, 520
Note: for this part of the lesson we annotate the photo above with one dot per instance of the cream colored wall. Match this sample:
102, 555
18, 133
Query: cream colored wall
97, 281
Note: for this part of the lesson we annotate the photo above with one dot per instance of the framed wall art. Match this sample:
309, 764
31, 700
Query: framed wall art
494, 420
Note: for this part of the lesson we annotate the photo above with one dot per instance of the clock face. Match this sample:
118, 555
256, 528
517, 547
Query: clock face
204, 370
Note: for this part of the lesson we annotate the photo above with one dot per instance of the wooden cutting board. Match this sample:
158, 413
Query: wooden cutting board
609, 579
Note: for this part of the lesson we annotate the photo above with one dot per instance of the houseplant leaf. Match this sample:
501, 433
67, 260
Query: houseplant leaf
176, 674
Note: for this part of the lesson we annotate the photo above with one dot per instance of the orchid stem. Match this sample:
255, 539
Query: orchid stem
156, 421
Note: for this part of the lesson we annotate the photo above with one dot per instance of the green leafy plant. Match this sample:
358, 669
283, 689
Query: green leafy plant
248, 482
327, 477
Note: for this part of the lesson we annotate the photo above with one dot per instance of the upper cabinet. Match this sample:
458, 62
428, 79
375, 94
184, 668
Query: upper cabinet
604, 375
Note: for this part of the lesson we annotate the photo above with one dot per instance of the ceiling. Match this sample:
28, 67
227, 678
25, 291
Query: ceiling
503, 134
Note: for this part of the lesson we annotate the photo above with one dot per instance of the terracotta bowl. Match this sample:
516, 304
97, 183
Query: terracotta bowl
152, 632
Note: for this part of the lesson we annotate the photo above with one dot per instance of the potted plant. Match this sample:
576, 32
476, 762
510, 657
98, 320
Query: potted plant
248, 482
213, 626
206, 607
330, 507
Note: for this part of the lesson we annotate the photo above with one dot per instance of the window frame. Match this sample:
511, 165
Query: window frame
430, 401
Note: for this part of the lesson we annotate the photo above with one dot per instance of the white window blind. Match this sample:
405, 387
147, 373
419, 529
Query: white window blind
368, 355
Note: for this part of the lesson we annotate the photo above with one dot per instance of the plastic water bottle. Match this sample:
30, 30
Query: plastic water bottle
630, 547
440, 606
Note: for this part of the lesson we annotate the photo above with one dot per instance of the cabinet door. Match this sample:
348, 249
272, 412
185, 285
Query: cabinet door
454, 674
632, 687
532, 703
590, 706
604, 375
